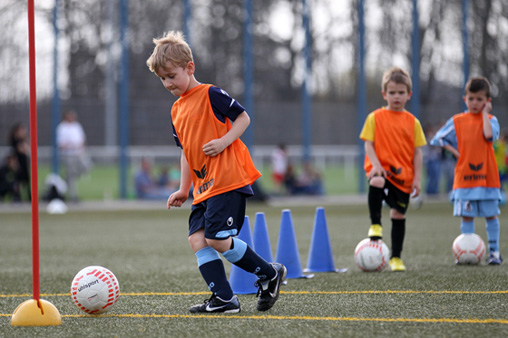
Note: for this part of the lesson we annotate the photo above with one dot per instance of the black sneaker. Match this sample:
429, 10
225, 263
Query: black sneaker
216, 304
268, 291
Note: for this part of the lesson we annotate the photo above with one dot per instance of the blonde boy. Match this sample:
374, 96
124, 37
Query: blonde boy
220, 168
393, 161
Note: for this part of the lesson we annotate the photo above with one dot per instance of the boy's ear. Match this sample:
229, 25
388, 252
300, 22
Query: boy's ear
191, 67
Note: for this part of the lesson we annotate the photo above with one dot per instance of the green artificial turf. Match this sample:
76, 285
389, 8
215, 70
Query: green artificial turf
159, 279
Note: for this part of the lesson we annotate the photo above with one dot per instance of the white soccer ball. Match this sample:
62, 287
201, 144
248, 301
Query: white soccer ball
95, 289
57, 207
468, 249
372, 255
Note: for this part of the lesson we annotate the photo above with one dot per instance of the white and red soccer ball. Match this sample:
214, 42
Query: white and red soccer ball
468, 249
95, 289
372, 255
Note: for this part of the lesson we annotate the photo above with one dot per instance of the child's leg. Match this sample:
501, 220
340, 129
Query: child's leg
467, 225
398, 232
375, 199
245, 258
493, 233
270, 276
212, 269
375, 202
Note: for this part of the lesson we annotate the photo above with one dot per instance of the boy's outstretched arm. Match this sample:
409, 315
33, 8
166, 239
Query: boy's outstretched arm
417, 167
180, 196
216, 146
377, 168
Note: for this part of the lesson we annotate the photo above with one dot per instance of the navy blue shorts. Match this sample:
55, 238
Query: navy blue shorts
221, 216
396, 198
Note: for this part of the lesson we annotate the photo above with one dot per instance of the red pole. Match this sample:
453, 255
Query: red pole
33, 149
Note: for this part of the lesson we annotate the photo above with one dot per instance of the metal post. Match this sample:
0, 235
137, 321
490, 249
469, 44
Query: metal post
362, 92
247, 71
111, 104
306, 99
465, 45
187, 14
415, 99
55, 109
124, 98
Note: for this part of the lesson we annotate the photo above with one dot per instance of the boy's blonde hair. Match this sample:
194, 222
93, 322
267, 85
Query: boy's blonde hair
477, 84
171, 47
397, 75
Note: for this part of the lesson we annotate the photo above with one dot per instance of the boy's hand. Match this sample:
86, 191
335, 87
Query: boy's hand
487, 108
377, 171
415, 189
177, 199
214, 147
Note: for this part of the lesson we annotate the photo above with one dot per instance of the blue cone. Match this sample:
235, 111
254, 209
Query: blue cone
320, 255
261, 238
242, 282
287, 248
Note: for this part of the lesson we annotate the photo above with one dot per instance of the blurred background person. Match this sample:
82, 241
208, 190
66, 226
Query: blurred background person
71, 142
501, 159
279, 165
147, 187
18, 141
169, 177
432, 157
308, 182
500, 154
9, 185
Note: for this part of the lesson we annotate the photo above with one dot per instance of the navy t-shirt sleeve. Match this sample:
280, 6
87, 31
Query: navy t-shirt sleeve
224, 105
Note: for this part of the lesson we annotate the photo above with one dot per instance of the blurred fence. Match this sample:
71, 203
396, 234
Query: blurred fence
321, 156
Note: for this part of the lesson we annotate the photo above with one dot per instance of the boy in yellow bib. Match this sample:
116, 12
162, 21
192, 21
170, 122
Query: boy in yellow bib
393, 160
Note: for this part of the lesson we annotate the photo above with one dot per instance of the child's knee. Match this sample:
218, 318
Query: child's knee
395, 214
197, 241
377, 182
221, 245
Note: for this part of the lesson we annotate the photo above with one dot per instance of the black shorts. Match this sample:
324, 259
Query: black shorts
221, 216
395, 198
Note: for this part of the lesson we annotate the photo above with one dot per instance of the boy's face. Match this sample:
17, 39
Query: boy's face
476, 101
396, 96
176, 79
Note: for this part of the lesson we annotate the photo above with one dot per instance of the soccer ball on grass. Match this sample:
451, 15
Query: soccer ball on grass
95, 289
468, 249
372, 255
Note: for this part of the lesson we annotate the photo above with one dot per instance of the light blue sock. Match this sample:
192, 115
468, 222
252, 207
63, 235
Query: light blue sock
235, 254
493, 234
467, 227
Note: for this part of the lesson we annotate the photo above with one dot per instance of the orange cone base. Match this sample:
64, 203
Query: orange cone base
36, 313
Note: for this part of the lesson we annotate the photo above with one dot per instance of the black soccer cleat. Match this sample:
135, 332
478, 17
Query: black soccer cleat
216, 304
269, 290
494, 258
